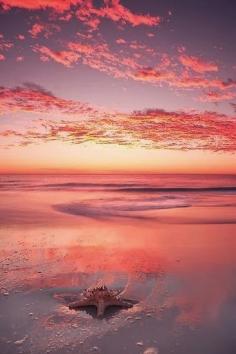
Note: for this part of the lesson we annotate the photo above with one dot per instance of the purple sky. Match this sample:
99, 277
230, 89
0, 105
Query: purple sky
78, 64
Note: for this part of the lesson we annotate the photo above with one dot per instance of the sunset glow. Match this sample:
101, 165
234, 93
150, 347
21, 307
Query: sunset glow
117, 176
116, 86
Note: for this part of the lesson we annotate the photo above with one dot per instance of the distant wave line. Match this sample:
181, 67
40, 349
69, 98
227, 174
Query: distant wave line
124, 187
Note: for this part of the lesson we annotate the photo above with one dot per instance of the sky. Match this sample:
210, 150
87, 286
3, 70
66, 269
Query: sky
100, 86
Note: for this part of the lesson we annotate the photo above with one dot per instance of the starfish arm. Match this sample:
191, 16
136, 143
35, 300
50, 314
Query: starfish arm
101, 306
119, 302
80, 303
126, 304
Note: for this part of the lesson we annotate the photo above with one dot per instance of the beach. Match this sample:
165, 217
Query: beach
167, 242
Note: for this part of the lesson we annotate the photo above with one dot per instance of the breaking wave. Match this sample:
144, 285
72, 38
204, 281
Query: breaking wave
100, 209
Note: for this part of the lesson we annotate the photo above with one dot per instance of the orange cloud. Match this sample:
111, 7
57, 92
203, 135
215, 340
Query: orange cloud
133, 60
33, 98
181, 80
153, 75
156, 128
81, 47
187, 81
97, 56
128, 64
197, 64
216, 96
87, 12
117, 12
46, 29
10, 132
65, 57
57, 5
36, 29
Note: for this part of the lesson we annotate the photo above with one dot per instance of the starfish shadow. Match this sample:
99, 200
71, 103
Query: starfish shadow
109, 312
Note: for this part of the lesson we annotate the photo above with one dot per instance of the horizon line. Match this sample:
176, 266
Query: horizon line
115, 173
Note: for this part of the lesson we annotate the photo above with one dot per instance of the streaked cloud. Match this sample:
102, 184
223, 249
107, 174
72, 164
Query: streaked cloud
181, 80
64, 57
128, 61
197, 64
87, 12
217, 96
120, 58
35, 99
153, 128
97, 56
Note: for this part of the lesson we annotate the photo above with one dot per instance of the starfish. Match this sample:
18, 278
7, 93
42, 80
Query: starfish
101, 298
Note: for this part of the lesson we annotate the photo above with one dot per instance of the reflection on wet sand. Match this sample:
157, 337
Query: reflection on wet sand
178, 264
164, 270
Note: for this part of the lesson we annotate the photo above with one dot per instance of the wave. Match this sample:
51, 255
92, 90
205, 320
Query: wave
116, 187
178, 189
66, 186
125, 209
90, 185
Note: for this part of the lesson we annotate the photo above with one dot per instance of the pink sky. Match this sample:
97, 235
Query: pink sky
117, 86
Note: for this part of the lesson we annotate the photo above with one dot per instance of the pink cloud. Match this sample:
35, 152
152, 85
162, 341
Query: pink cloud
120, 41
97, 56
87, 12
47, 29
181, 80
57, 5
153, 128
19, 58
66, 58
136, 45
117, 12
5, 44
154, 75
186, 81
81, 47
124, 64
36, 29
21, 37
197, 64
156, 129
33, 98
217, 96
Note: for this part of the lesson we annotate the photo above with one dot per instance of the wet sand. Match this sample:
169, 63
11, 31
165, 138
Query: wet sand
177, 263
